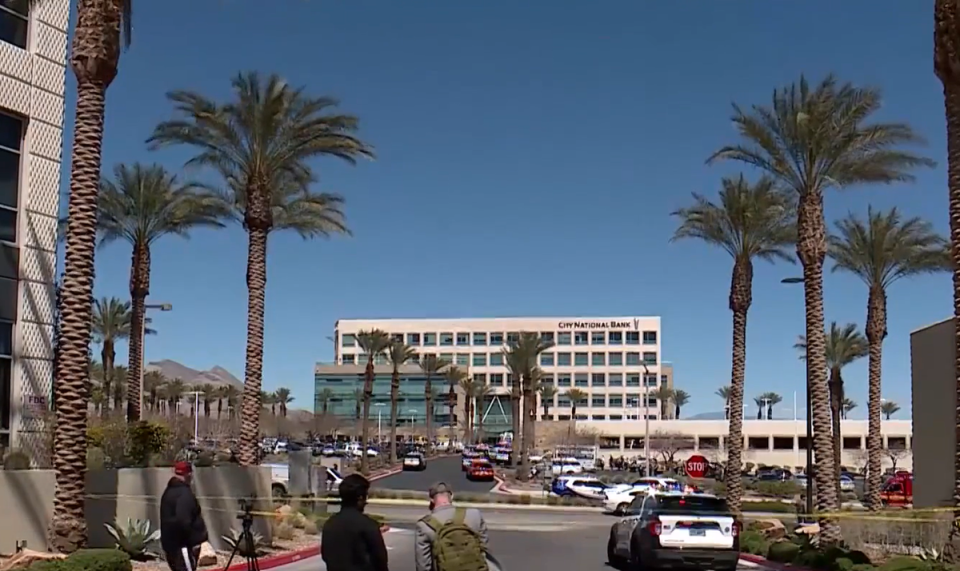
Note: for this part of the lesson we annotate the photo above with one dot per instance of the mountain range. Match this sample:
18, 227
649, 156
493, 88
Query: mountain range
217, 376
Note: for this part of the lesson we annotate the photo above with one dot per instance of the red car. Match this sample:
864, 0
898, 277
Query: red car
480, 470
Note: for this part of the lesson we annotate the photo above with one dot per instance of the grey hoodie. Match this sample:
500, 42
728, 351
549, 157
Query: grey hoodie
423, 552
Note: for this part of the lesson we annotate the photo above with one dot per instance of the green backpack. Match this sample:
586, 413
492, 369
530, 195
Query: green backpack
457, 547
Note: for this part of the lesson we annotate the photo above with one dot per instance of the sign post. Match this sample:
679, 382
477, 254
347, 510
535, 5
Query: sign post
696, 466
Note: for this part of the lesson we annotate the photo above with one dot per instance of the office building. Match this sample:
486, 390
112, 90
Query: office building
612, 361
33, 47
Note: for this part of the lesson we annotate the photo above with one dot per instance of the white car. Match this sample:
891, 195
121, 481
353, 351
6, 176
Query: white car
414, 462
566, 466
846, 484
675, 529
662, 484
617, 501
584, 487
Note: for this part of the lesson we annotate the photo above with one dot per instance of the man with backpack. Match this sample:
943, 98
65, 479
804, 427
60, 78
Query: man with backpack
450, 538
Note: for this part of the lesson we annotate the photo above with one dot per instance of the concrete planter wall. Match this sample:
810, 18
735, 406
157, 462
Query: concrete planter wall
26, 501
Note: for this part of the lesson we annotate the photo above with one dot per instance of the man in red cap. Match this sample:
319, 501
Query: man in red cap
182, 530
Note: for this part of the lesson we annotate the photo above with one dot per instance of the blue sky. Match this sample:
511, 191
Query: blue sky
529, 155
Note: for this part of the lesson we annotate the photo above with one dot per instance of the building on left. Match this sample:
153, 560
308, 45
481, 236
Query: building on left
33, 51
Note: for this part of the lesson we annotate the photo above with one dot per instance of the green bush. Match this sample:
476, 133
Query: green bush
905, 564
771, 506
88, 560
754, 543
776, 489
783, 551
525, 499
145, 439
16, 460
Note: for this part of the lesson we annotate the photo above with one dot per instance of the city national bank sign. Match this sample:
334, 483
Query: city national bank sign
632, 324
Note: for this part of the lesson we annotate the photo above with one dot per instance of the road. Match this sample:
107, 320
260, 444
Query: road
446, 469
519, 539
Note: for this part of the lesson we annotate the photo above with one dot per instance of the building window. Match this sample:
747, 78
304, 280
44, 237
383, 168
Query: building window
14, 22
480, 378
463, 359
397, 337
496, 379
616, 417
546, 336
480, 339
348, 340
496, 359
563, 338
448, 357
598, 338
598, 380
580, 338
546, 359
616, 400
6, 390
649, 358
430, 339
649, 337
547, 379
511, 380
598, 359
446, 339
616, 379
633, 337
581, 380
563, 401
633, 359
413, 339
598, 401
615, 360
633, 380
349, 359
581, 359
650, 380
663, 380
563, 359
463, 339
563, 381
496, 338
513, 338
479, 359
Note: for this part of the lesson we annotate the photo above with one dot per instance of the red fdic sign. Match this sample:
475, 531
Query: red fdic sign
696, 466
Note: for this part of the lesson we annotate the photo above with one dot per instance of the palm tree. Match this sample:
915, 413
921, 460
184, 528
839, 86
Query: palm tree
547, 392
575, 396
454, 375
357, 410
515, 361
680, 398
946, 64
749, 222
399, 354
881, 250
152, 381
848, 405
175, 390
844, 345
260, 144
111, 322
480, 390
525, 353
889, 408
664, 395
118, 391
232, 394
810, 140
724, 393
139, 206
373, 343
773, 399
282, 397
323, 398
431, 365
95, 56
99, 398
469, 408
208, 393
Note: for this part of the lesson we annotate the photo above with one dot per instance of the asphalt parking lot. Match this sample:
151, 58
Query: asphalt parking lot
446, 469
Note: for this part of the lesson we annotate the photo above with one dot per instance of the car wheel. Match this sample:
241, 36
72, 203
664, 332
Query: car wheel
621, 509
278, 491
612, 558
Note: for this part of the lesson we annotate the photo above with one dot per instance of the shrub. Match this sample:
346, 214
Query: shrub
771, 506
754, 543
96, 459
145, 439
778, 489
525, 499
905, 564
16, 460
783, 551
135, 539
233, 540
88, 560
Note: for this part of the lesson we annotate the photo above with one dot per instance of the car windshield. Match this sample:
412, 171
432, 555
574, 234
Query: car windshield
688, 504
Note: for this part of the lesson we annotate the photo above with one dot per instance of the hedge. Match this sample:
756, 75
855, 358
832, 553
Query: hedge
88, 560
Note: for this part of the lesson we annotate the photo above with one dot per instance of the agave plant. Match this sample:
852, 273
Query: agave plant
135, 539
236, 539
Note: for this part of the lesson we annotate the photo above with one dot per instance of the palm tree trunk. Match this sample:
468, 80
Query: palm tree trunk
253, 368
107, 356
428, 399
741, 296
368, 375
835, 385
139, 290
812, 250
524, 471
394, 403
876, 332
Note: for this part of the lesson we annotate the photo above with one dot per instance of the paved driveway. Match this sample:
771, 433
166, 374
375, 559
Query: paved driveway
438, 470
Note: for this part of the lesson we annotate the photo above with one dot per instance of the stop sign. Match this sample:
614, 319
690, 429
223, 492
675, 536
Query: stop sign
696, 466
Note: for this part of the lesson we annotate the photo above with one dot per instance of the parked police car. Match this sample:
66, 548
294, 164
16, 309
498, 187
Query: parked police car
675, 530
580, 486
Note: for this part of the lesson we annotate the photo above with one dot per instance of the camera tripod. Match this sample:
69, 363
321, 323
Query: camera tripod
245, 542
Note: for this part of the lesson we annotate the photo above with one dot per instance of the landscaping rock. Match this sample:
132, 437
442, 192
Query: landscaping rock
208, 556
28, 557
771, 529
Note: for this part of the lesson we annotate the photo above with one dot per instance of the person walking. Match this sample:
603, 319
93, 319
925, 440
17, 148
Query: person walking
351, 539
450, 538
182, 530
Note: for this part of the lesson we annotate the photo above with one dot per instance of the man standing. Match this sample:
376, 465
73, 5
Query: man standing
182, 530
450, 538
352, 540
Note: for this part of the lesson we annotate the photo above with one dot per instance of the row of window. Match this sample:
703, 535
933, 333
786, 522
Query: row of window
619, 359
564, 380
496, 339
562, 417
14, 22
11, 146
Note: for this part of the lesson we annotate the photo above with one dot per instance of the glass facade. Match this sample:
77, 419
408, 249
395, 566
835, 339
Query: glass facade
346, 395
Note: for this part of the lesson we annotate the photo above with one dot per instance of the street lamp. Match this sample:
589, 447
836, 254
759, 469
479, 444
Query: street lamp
809, 470
196, 415
143, 338
379, 406
646, 419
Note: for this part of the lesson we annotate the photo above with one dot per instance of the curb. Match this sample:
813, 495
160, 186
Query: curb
489, 506
279, 560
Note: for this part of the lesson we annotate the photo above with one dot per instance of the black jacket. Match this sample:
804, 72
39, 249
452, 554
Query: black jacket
353, 542
181, 524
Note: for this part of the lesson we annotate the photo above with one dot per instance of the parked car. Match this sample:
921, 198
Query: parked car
415, 461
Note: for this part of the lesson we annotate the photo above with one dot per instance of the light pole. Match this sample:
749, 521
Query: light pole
413, 419
646, 420
196, 415
143, 338
379, 406
809, 469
